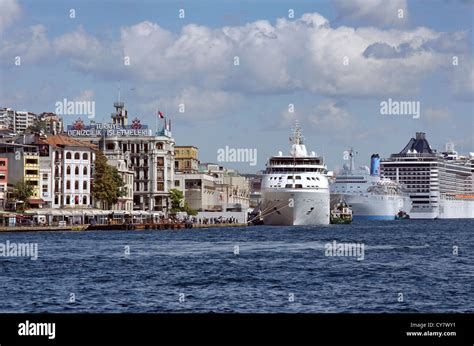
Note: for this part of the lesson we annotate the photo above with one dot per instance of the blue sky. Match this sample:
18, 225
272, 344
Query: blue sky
282, 61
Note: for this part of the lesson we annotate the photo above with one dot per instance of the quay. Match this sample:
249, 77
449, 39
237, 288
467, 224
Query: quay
117, 227
36, 228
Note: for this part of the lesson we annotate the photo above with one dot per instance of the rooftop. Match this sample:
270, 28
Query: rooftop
61, 141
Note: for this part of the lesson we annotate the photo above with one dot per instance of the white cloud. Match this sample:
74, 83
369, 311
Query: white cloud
85, 95
9, 12
31, 45
383, 12
329, 116
198, 104
462, 79
305, 54
436, 114
85, 51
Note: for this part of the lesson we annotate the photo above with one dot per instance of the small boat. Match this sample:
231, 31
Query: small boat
341, 213
402, 215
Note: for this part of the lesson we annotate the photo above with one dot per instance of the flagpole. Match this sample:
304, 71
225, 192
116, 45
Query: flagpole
156, 123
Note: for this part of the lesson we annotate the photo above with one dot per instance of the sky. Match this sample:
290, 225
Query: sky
245, 71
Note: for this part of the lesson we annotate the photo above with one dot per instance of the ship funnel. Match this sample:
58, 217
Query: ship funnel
375, 164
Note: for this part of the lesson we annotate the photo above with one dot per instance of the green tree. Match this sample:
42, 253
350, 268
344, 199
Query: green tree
38, 126
108, 185
178, 204
22, 191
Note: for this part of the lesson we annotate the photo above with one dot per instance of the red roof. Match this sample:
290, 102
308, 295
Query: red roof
61, 140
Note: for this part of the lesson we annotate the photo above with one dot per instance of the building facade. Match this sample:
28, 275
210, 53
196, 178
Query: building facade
125, 202
214, 188
53, 123
16, 121
186, 159
148, 154
3, 182
23, 165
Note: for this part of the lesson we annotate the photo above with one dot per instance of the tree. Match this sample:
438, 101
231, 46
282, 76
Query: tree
38, 126
178, 204
176, 197
22, 191
108, 185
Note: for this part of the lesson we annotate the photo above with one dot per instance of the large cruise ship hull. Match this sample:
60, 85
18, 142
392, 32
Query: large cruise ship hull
375, 207
456, 209
292, 207
447, 209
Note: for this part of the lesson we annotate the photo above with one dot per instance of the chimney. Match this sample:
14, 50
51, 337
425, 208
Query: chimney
420, 135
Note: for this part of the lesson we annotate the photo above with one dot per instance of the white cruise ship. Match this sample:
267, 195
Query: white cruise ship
441, 185
370, 196
295, 188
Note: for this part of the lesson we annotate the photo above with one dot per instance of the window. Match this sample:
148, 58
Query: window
68, 199
76, 170
176, 183
84, 200
68, 156
84, 185
85, 156
77, 156
288, 186
45, 176
68, 170
68, 185
84, 171
76, 185
2, 163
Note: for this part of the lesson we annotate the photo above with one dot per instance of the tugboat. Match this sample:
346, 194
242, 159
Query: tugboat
341, 213
402, 215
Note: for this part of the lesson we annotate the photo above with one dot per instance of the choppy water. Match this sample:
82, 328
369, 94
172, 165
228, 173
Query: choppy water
414, 258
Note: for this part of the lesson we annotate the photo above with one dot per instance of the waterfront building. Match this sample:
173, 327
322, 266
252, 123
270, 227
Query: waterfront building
186, 159
200, 191
72, 171
214, 188
23, 165
3, 182
255, 182
440, 184
148, 154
